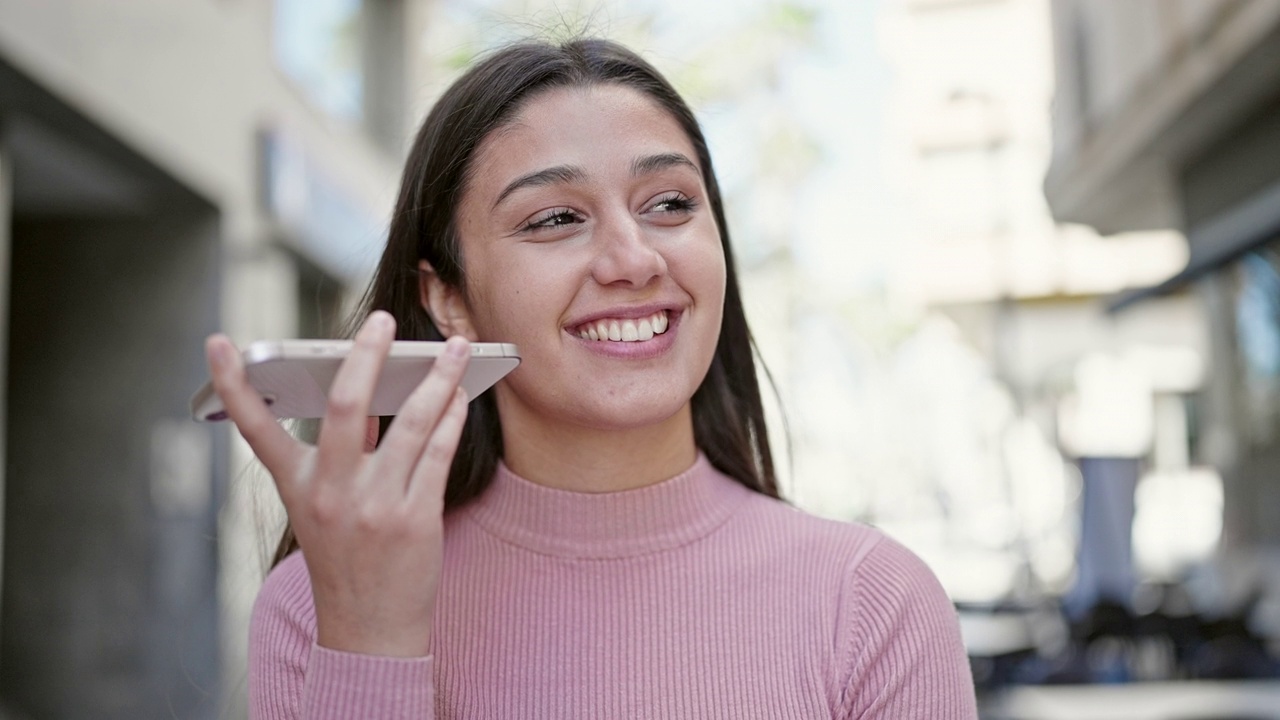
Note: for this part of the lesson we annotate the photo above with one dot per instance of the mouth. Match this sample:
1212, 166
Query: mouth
624, 330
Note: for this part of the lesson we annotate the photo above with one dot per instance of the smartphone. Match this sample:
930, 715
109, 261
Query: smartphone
293, 376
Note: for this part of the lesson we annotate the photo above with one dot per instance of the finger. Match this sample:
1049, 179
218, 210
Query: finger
422, 410
342, 432
432, 471
273, 445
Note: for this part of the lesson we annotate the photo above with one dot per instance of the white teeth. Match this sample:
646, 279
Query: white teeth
626, 330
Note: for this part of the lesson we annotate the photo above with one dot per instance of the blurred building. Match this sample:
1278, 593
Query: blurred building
166, 170
1167, 116
974, 86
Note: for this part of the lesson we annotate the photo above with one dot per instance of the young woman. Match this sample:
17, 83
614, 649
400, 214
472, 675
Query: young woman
600, 535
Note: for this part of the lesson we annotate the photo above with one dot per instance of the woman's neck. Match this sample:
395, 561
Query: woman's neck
583, 459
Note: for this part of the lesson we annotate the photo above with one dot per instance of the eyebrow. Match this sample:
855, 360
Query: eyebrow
571, 173
549, 176
661, 161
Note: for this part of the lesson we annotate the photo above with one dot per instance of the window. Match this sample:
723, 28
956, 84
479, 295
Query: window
1257, 316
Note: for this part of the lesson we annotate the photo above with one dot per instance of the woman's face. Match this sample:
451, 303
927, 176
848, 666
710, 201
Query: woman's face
588, 241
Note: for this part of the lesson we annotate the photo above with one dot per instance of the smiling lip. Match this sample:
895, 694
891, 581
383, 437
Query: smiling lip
633, 312
647, 349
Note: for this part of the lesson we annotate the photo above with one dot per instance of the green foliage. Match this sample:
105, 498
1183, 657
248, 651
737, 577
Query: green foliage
793, 19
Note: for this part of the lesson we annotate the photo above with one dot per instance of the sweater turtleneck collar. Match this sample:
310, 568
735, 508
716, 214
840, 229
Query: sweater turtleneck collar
653, 518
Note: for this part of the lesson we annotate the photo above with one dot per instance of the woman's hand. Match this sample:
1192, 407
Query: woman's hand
370, 524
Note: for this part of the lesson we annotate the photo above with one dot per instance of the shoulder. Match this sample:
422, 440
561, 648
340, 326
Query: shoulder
833, 548
874, 571
282, 631
882, 588
867, 554
900, 648
867, 577
284, 615
895, 633
891, 592
287, 590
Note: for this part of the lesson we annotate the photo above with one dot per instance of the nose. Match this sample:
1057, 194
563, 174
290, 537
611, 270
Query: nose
624, 253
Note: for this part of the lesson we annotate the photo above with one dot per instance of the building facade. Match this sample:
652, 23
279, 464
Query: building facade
975, 97
1167, 115
167, 170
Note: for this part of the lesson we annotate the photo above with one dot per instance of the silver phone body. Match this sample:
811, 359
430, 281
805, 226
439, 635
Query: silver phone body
294, 376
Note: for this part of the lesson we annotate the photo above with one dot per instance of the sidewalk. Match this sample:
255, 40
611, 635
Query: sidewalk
1188, 700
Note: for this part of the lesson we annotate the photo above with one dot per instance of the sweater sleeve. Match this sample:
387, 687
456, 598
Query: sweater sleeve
905, 657
293, 678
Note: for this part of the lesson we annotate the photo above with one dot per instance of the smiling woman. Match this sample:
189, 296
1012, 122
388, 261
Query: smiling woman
600, 537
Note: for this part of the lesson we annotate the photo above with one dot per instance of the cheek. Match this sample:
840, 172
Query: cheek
700, 270
487, 297
514, 297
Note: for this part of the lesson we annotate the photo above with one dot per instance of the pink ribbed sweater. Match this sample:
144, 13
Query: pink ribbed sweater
692, 598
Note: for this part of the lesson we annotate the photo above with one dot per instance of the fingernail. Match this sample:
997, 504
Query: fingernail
379, 320
217, 355
458, 348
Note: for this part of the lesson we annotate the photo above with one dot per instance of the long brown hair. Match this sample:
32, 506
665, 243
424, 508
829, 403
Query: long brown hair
728, 415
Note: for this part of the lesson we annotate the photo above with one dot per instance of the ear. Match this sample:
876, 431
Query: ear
444, 303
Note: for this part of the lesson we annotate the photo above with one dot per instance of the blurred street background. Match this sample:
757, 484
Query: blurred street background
1014, 266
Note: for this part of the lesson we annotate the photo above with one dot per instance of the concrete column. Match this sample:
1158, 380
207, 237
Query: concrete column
384, 38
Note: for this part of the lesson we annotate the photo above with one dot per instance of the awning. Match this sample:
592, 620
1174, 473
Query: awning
1240, 230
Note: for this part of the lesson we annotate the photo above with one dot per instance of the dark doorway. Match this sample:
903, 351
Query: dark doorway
108, 607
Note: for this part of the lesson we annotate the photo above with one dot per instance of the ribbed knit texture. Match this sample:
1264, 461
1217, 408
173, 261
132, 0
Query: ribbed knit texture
692, 598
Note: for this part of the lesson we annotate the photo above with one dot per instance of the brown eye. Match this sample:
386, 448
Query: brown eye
555, 218
673, 203
558, 219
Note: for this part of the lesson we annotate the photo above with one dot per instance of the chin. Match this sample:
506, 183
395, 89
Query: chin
620, 413
622, 405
